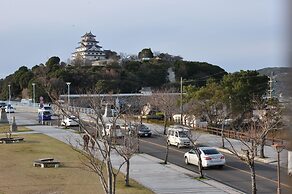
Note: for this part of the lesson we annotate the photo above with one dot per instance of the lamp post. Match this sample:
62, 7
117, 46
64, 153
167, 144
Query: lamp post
9, 99
33, 93
279, 148
68, 85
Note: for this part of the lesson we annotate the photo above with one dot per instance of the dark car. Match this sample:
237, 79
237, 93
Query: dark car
143, 131
2, 104
44, 115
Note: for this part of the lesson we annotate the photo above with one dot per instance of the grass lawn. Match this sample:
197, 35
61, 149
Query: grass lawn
4, 128
17, 174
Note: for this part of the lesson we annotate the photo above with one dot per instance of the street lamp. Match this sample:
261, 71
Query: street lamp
279, 148
68, 85
9, 99
33, 93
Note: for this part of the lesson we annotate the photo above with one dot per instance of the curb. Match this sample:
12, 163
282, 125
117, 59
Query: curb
263, 160
192, 175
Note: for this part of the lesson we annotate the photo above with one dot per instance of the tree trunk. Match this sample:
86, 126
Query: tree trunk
222, 135
109, 179
200, 167
253, 179
165, 123
262, 148
166, 154
127, 181
197, 151
141, 119
114, 183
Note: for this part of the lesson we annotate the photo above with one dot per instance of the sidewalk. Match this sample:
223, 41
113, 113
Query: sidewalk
147, 170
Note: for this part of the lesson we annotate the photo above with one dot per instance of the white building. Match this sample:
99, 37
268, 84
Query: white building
88, 49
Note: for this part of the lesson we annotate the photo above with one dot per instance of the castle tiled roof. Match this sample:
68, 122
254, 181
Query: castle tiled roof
88, 34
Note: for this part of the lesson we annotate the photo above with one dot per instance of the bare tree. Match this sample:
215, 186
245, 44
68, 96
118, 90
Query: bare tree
98, 159
167, 102
128, 149
130, 144
247, 153
193, 139
268, 117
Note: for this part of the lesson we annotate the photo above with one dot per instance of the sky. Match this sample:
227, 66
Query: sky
235, 35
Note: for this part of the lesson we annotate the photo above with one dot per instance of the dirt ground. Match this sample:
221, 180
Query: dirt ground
17, 174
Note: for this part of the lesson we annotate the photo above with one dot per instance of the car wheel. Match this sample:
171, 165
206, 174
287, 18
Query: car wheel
168, 143
186, 160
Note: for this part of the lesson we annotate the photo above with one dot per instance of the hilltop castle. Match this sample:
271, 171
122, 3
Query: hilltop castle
88, 52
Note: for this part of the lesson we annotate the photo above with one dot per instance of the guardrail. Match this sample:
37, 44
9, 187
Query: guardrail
236, 134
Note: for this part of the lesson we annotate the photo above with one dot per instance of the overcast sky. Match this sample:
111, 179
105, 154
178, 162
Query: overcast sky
235, 35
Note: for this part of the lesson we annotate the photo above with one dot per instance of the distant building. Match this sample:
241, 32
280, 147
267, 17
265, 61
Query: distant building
146, 90
88, 51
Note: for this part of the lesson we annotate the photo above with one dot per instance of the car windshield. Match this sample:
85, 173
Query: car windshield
47, 113
210, 151
182, 134
2, 104
143, 128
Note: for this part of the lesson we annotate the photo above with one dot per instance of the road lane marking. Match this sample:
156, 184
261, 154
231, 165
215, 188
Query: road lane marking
247, 172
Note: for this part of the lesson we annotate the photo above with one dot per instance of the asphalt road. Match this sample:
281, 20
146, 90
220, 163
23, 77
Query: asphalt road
235, 173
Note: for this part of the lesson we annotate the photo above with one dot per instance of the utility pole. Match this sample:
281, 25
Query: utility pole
9, 100
271, 85
33, 93
68, 89
181, 101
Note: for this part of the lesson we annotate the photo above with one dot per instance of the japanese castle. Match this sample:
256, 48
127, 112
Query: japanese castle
88, 50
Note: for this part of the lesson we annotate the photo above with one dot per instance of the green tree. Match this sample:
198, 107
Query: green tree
197, 73
145, 53
240, 88
207, 101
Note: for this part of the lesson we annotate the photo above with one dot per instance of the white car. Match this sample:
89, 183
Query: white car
70, 121
178, 136
210, 157
9, 109
46, 108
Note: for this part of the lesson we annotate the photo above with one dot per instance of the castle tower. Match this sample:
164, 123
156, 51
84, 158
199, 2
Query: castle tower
88, 49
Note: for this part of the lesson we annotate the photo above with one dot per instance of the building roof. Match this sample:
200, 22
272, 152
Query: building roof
88, 34
94, 41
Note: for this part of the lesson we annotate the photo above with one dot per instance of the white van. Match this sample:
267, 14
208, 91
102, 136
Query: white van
46, 107
178, 136
114, 130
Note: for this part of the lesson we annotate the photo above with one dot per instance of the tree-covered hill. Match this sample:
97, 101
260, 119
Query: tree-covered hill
121, 76
280, 77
